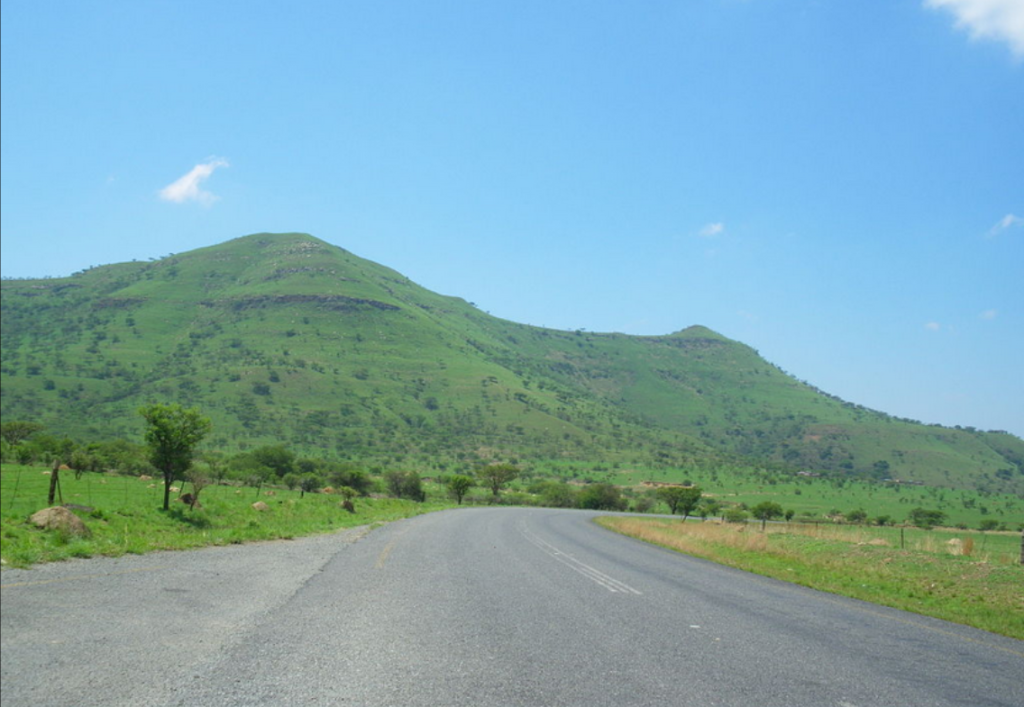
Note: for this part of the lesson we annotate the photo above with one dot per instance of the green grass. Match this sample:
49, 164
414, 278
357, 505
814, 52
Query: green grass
980, 588
127, 518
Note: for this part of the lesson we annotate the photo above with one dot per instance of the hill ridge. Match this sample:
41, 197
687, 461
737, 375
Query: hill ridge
287, 338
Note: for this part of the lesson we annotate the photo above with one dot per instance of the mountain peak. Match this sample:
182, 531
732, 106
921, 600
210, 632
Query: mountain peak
698, 331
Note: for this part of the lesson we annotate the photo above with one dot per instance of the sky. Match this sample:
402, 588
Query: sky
838, 184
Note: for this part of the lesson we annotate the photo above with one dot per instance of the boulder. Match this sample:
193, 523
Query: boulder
58, 518
260, 506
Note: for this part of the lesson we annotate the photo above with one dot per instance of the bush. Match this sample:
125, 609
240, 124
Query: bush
405, 484
736, 515
602, 497
557, 494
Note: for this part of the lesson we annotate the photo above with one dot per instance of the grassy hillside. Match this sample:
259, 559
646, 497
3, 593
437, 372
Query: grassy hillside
282, 338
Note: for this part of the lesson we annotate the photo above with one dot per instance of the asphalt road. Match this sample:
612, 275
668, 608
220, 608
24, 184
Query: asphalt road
471, 607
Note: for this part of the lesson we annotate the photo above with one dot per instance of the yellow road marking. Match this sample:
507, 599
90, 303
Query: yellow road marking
383, 557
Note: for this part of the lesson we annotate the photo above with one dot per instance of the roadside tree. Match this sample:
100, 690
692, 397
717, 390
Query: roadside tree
602, 497
405, 484
767, 510
496, 476
172, 434
680, 498
458, 485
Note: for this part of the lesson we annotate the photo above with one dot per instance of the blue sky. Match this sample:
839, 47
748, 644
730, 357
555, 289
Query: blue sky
838, 184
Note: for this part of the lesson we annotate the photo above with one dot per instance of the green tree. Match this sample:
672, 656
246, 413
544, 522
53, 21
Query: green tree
309, 484
172, 434
857, 516
709, 507
557, 494
458, 485
602, 497
405, 484
680, 498
496, 476
276, 457
735, 515
766, 510
18, 430
925, 518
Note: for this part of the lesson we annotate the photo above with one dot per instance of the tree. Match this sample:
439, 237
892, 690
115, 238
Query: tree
710, 507
925, 518
309, 484
458, 485
857, 516
680, 498
602, 497
199, 481
557, 494
18, 430
405, 484
172, 434
495, 476
766, 510
277, 458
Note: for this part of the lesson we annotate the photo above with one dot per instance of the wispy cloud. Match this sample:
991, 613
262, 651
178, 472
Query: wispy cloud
933, 326
1000, 20
187, 188
1004, 224
711, 230
988, 314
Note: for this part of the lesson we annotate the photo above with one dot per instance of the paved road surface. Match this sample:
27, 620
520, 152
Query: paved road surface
472, 607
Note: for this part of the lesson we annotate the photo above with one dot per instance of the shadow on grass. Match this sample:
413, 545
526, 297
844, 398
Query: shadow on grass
184, 515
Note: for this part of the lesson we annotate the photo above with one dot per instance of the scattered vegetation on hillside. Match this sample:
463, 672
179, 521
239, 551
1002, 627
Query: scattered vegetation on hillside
282, 339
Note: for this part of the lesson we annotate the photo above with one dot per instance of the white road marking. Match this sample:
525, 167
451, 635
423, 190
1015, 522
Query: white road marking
591, 573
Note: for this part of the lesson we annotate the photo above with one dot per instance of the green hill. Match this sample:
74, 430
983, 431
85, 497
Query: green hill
282, 338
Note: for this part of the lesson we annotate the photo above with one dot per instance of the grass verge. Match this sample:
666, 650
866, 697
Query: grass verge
930, 575
124, 515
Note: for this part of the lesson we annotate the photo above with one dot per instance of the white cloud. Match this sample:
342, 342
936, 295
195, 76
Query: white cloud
1000, 20
187, 187
933, 326
1005, 223
712, 230
988, 314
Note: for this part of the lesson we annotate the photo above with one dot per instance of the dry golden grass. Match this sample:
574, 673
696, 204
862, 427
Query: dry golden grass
937, 574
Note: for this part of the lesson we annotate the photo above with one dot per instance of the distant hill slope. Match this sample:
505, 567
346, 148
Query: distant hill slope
285, 338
